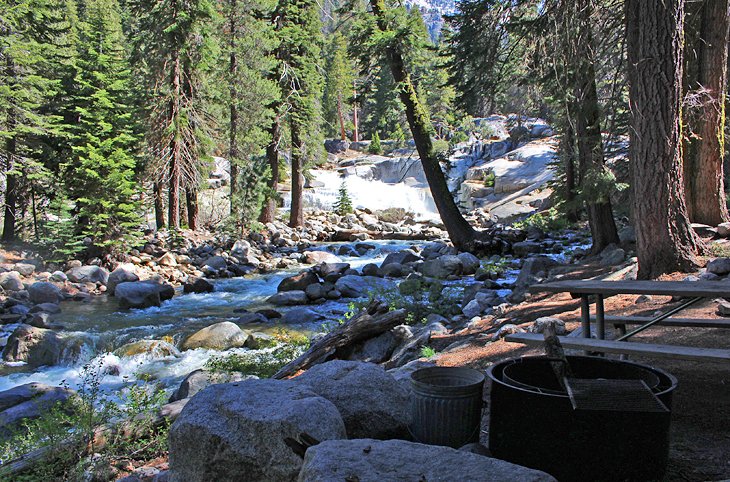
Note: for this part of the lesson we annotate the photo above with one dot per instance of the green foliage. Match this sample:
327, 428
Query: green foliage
550, 220
73, 427
440, 147
262, 363
428, 352
419, 298
251, 193
375, 147
338, 86
59, 232
489, 179
343, 205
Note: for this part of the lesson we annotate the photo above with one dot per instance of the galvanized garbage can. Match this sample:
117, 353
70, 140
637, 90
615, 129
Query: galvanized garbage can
446, 405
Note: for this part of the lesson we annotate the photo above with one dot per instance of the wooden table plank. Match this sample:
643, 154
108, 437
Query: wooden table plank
681, 322
626, 347
705, 289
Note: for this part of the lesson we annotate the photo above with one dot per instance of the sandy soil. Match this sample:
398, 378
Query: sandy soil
700, 429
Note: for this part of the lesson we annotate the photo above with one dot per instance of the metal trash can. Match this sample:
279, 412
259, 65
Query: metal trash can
446, 405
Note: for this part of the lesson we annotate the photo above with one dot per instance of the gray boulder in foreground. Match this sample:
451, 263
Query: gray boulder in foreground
137, 294
244, 431
372, 403
367, 460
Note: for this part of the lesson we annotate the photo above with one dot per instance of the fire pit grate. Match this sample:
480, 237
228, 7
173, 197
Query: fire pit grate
612, 395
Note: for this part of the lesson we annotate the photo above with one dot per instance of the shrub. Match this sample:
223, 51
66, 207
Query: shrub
489, 179
550, 220
375, 147
343, 205
427, 352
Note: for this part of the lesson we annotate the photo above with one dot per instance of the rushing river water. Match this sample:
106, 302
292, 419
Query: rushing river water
101, 327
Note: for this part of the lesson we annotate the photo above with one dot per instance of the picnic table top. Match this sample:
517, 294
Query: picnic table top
705, 289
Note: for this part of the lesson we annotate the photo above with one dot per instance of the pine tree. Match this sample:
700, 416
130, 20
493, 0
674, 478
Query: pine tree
375, 147
343, 205
100, 173
339, 78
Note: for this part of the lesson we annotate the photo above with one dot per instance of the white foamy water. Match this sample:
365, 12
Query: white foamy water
369, 194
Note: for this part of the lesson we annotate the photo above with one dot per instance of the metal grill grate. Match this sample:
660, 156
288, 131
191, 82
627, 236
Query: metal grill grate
613, 395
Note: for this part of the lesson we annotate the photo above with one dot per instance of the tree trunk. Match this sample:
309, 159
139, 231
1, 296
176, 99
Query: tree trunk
341, 116
665, 239
356, 128
157, 189
588, 130
191, 200
233, 116
567, 149
296, 216
268, 213
11, 195
173, 216
706, 83
460, 232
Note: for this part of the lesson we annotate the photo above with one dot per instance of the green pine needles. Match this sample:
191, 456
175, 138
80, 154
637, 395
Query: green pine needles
343, 205
375, 147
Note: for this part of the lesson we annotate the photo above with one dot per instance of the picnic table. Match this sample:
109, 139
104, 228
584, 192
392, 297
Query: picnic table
690, 293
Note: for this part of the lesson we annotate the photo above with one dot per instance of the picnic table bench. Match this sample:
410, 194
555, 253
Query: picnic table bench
690, 291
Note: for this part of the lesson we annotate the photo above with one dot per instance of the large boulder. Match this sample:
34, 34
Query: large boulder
44, 292
26, 402
88, 274
248, 431
122, 274
371, 402
35, 346
326, 269
301, 314
442, 267
368, 460
719, 266
357, 286
198, 285
11, 281
220, 336
298, 281
216, 263
153, 348
287, 298
25, 269
137, 294
200, 379
469, 262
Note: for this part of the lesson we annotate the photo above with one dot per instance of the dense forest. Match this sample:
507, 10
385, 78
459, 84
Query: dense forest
114, 109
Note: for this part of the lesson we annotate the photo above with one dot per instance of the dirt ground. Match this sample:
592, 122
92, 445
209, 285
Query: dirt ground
700, 427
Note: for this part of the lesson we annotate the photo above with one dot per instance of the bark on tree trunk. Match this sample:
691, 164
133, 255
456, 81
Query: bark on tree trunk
191, 200
11, 195
460, 232
706, 82
268, 213
159, 205
173, 204
296, 215
665, 239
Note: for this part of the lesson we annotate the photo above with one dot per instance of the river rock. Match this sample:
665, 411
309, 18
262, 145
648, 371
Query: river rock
336, 146
59, 276
539, 325
370, 269
44, 292
375, 350
288, 298
469, 262
368, 460
167, 259
216, 263
393, 270
220, 336
25, 269
359, 286
612, 255
301, 315
11, 281
248, 317
26, 402
298, 282
400, 257
122, 274
155, 348
327, 269
137, 294
315, 291
442, 267
51, 308
244, 431
317, 257
88, 274
198, 285
371, 402
719, 266
200, 379
35, 346
525, 248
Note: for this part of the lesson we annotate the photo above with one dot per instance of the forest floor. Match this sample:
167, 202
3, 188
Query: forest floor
700, 426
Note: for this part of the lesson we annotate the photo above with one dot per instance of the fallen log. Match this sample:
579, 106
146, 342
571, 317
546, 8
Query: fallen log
371, 322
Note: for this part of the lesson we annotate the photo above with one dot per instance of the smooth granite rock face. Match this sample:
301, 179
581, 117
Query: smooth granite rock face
367, 460
372, 403
248, 431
